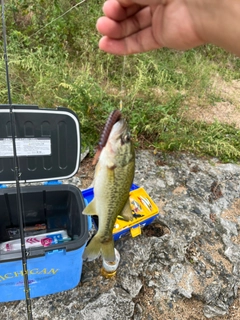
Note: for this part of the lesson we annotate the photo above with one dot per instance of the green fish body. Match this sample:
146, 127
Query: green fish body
113, 178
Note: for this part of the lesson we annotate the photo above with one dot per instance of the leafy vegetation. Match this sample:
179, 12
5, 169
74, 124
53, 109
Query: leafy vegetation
56, 61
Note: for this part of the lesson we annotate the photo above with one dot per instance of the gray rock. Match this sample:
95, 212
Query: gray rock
212, 291
229, 227
131, 284
115, 304
191, 250
214, 311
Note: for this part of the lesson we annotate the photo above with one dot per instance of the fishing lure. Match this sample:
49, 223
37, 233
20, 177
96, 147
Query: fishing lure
114, 117
136, 206
146, 202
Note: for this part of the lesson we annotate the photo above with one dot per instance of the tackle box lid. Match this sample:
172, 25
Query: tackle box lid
47, 143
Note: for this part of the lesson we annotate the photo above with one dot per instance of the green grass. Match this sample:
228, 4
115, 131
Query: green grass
62, 65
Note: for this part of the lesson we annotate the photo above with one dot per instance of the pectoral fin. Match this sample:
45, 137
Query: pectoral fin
127, 211
91, 209
110, 174
110, 164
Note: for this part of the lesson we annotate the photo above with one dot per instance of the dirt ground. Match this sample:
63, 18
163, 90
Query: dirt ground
86, 172
227, 111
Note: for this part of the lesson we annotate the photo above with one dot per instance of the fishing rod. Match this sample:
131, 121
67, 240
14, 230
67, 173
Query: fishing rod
16, 171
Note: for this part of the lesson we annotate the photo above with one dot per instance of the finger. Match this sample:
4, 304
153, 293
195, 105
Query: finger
117, 30
109, 27
127, 3
142, 41
114, 10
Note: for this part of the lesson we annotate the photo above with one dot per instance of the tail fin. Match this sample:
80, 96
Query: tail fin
96, 248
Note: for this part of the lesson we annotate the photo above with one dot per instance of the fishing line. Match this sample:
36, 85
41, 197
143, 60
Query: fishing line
17, 172
122, 79
62, 15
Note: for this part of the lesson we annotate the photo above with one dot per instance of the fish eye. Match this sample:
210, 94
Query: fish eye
127, 137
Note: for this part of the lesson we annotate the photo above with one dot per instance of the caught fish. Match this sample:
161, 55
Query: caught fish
112, 181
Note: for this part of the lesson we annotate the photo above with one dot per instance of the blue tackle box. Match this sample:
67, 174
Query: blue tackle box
143, 208
55, 230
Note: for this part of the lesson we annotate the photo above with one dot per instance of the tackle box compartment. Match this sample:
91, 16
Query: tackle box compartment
56, 231
143, 208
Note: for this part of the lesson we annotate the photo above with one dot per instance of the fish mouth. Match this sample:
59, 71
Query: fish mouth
120, 131
116, 128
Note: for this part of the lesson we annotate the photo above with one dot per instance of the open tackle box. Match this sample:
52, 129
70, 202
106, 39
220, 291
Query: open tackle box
144, 211
56, 232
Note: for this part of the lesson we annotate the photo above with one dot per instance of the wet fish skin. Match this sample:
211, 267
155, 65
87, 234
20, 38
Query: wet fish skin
113, 178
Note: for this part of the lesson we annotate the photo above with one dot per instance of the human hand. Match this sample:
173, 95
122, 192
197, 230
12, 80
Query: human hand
134, 26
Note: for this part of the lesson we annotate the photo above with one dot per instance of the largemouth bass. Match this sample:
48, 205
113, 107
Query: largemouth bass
113, 178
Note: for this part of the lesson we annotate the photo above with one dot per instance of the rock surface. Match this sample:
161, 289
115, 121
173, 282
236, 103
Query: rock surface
191, 252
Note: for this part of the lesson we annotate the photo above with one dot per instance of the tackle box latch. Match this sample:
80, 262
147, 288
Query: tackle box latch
136, 231
58, 251
52, 183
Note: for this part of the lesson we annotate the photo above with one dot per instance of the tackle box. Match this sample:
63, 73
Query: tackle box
48, 150
143, 208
